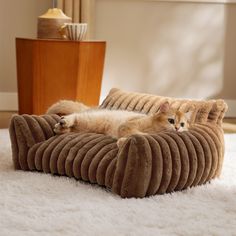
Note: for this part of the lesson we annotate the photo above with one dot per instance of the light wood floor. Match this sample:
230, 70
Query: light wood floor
229, 124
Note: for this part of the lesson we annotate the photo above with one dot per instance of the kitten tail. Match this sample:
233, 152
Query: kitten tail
66, 107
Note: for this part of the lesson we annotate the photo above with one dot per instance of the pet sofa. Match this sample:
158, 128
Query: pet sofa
144, 165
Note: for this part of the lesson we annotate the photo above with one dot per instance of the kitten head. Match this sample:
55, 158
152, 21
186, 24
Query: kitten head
170, 119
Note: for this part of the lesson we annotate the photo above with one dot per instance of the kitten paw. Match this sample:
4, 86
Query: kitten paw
120, 142
62, 126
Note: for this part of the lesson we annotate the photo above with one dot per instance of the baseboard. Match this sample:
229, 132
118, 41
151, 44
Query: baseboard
232, 108
8, 101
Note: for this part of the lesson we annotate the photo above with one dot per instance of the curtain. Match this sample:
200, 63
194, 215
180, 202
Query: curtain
81, 11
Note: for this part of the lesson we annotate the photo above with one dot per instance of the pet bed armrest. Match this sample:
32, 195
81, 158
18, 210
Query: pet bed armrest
26, 131
132, 173
168, 161
144, 166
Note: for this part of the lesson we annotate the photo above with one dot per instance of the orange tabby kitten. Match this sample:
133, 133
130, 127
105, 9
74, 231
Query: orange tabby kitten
122, 124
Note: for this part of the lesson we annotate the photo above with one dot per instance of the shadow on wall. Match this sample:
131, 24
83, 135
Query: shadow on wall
188, 59
171, 49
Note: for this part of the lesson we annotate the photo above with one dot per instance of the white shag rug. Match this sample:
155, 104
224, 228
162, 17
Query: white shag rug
41, 204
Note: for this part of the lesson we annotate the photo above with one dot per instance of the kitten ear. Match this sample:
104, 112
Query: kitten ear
164, 107
188, 115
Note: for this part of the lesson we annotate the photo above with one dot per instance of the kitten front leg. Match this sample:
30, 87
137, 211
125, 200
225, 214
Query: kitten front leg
65, 124
126, 130
121, 140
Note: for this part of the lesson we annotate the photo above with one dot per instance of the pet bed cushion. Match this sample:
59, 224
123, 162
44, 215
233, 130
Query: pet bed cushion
144, 165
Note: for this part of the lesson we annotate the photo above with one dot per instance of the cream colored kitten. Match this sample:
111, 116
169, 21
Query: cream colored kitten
122, 124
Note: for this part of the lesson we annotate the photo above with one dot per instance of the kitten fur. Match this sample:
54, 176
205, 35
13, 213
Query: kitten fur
121, 124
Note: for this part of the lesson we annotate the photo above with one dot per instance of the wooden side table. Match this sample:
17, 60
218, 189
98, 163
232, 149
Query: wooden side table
51, 70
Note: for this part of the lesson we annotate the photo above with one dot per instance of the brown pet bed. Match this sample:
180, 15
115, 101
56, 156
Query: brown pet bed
144, 166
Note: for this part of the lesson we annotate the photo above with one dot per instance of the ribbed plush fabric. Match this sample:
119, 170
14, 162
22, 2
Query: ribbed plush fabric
144, 165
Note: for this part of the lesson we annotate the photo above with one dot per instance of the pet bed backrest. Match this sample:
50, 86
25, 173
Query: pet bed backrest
203, 111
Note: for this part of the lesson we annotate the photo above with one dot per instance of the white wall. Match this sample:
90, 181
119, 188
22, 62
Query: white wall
166, 48
18, 18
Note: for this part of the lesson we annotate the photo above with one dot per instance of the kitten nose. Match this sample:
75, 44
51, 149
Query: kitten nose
176, 128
